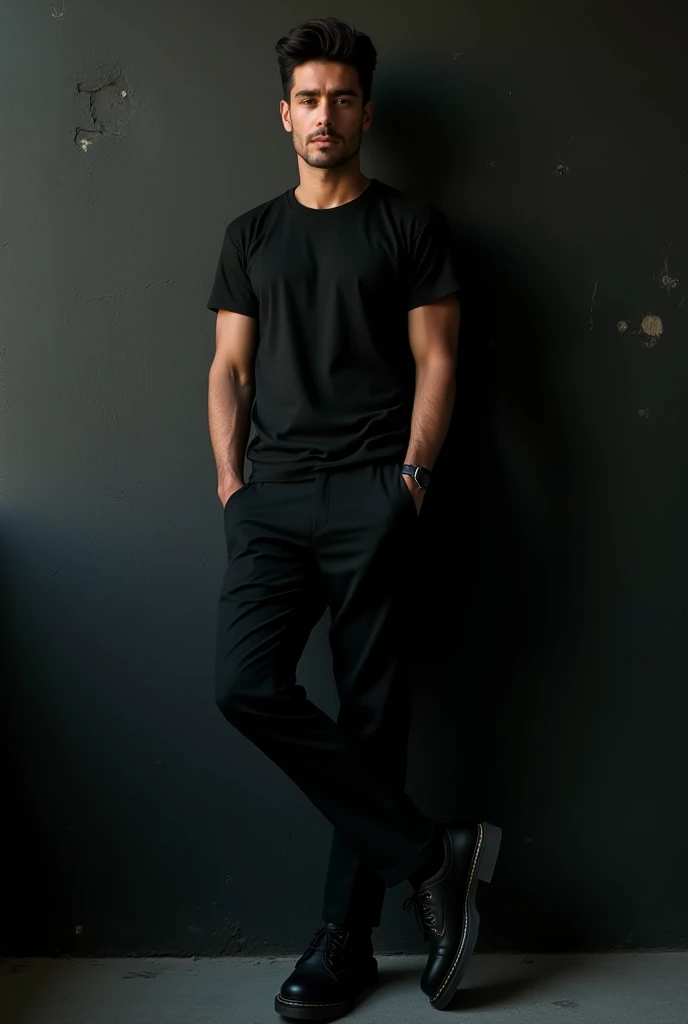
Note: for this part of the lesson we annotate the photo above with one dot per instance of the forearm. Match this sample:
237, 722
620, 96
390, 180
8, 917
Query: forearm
432, 410
229, 420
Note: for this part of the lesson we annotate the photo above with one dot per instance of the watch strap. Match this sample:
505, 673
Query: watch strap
420, 474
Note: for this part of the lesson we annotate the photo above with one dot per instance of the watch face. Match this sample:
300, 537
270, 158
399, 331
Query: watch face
422, 477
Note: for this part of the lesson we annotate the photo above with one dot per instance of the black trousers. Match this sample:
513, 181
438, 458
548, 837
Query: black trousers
343, 539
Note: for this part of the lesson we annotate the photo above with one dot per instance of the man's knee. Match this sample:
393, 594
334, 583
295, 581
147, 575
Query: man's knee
239, 694
230, 695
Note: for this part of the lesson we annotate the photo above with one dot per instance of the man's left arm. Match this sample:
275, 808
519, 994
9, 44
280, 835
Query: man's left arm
434, 335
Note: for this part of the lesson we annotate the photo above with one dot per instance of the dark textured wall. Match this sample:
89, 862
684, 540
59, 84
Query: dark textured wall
551, 620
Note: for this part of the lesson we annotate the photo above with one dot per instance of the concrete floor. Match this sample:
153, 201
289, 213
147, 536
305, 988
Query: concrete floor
649, 988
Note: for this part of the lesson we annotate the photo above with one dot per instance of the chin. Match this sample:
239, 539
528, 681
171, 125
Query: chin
326, 159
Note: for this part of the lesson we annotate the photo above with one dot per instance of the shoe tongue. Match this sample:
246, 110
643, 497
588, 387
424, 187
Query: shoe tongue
325, 939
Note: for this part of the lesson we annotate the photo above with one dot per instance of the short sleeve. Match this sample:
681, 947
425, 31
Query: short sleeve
232, 287
432, 274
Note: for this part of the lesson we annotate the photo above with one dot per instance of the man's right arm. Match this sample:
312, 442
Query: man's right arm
231, 386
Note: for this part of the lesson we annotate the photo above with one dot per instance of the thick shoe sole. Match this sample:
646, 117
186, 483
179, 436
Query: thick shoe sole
320, 1011
482, 868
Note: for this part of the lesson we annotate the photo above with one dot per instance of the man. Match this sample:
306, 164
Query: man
337, 327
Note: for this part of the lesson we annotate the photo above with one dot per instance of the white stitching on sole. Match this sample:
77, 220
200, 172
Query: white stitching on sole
290, 1002
464, 934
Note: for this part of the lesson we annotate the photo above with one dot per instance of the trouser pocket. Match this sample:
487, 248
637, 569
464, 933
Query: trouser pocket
406, 495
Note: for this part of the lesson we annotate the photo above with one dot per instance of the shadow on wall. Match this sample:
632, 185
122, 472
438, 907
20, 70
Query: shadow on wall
497, 576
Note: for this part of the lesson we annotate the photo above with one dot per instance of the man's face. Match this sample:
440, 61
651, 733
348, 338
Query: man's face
326, 115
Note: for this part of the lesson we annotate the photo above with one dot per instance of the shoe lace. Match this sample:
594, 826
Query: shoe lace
328, 941
423, 911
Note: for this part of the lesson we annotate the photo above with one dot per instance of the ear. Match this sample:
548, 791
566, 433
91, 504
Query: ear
285, 114
367, 115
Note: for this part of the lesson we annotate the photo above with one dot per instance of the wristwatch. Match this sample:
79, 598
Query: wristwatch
418, 473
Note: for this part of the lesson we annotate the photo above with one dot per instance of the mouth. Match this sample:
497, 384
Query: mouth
323, 140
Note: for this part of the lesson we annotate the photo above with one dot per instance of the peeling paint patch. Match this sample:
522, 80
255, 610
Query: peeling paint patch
645, 413
668, 281
105, 105
622, 326
231, 937
653, 328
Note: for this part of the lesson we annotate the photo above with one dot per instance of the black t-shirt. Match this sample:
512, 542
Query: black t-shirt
331, 290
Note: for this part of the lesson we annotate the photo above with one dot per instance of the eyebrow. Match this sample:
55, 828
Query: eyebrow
335, 92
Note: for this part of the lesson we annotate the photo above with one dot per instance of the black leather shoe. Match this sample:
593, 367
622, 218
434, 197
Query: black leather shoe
446, 910
337, 970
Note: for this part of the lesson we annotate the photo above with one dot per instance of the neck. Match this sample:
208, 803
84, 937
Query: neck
323, 188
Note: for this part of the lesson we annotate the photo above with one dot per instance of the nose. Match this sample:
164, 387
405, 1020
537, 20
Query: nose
325, 119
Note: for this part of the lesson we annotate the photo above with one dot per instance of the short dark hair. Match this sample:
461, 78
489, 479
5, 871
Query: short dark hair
326, 39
